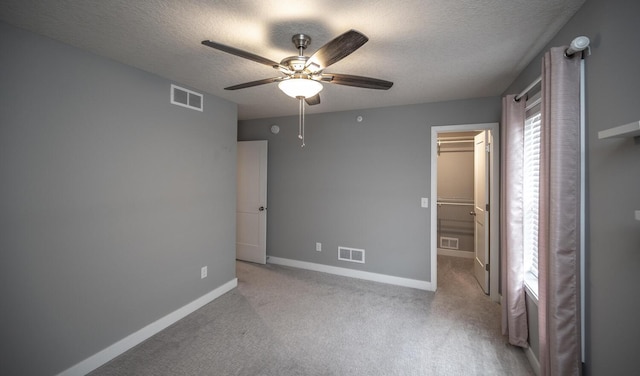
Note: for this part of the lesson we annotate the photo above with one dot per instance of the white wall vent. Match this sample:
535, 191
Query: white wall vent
186, 98
449, 243
351, 254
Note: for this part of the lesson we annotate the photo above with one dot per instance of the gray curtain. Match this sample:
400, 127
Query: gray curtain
559, 217
514, 312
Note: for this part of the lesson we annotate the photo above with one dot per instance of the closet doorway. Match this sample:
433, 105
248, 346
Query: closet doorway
465, 207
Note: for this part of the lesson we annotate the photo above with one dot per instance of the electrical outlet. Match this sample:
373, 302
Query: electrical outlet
424, 202
203, 272
319, 247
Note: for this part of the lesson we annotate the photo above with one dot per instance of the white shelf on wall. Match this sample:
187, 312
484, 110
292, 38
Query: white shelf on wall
627, 130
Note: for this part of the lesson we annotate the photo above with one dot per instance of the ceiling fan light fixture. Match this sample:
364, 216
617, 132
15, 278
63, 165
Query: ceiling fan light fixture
300, 87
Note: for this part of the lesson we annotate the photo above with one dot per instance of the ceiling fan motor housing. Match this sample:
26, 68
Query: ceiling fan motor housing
295, 63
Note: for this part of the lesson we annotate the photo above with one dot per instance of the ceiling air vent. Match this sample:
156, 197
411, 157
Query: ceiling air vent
186, 98
351, 254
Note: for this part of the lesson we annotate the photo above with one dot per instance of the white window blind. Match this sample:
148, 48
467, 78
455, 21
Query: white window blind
531, 194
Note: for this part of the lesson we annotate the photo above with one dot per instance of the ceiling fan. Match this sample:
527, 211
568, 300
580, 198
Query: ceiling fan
302, 76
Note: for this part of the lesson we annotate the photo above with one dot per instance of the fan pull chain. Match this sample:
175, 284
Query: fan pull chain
301, 121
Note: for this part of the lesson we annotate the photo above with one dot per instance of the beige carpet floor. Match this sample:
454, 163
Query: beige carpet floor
285, 321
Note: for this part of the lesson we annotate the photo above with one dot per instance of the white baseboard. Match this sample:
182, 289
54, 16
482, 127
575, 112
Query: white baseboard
533, 360
383, 278
102, 357
455, 253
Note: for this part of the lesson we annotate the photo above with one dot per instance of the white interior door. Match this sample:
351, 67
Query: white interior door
480, 210
251, 206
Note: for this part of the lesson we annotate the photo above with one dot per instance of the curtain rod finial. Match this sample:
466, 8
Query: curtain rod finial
580, 43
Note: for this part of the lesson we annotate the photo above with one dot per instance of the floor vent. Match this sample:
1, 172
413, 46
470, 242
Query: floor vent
186, 98
351, 254
449, 243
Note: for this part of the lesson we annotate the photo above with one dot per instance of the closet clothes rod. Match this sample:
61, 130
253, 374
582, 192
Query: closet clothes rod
457, 138
453, 141
578, 44
454, 203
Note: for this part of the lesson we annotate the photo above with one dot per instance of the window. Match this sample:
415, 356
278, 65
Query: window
530, 199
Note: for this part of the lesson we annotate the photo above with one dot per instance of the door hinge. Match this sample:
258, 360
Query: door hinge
487, 148
486, 267
486, 207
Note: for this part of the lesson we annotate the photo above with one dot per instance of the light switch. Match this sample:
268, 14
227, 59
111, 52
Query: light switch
425, 202
637, 215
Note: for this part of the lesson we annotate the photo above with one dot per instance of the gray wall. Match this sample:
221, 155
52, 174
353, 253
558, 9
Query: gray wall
613, 236
357, 184
111, 200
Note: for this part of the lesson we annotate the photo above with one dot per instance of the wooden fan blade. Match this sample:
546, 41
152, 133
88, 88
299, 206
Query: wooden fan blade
336, 50
241, 53
357, 81
255, 83
312, 101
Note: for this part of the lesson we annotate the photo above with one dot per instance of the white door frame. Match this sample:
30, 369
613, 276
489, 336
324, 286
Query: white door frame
494, 201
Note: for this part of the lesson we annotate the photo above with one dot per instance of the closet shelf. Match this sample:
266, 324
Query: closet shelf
627, 130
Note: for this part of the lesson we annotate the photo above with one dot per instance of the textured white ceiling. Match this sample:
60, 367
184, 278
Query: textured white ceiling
433, 50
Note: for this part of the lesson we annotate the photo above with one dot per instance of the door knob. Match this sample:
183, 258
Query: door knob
261, 208
472, 213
